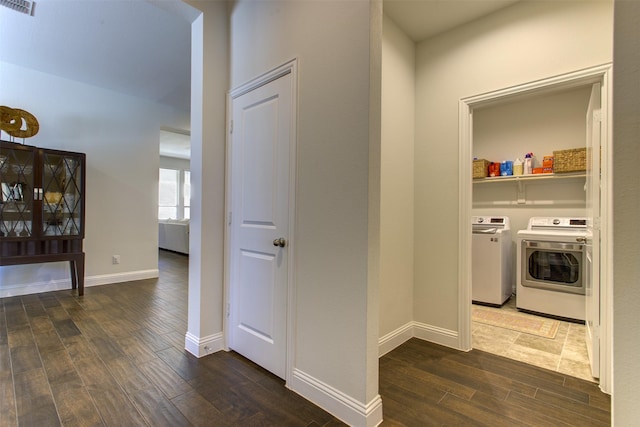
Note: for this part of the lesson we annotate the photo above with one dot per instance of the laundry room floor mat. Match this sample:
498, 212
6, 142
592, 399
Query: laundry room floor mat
539, 326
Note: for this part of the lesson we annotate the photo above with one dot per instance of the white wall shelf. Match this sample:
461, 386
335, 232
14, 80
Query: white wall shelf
525, 178
521, 180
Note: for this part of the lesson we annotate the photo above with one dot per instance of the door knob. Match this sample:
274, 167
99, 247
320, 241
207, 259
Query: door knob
280, 242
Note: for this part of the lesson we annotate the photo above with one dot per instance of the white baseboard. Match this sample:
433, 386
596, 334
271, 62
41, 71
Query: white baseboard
435, 334
62, 284
32, 288
343, 407
423, 331
200, 347
129, 276
395, 339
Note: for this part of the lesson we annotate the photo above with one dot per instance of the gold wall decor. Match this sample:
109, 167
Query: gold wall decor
11, 121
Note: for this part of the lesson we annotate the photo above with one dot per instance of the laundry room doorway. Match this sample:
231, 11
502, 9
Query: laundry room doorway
540, 195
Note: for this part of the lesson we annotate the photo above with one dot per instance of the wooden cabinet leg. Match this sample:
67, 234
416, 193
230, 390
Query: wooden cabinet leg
80, 272
74, 274
76, 267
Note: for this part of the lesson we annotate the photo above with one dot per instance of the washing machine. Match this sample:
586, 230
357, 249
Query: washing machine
551, 263
492, 261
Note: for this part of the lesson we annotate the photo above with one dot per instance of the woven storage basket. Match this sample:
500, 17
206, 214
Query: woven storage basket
572, 160
480, 168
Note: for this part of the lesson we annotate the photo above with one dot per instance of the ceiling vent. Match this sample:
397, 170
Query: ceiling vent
22, 6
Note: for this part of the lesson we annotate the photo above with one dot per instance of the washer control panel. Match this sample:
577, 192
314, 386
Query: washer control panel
493, 221
551, 222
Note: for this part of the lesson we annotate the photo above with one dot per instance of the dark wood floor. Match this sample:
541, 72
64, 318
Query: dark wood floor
115, 357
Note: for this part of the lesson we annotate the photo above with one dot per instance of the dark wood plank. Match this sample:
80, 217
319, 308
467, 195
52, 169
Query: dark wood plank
127, 375
5, 358
66, 328
199, 411
556, 412
35, 309
78, 348
164, 378
20, 337
34, 402
25, 358
48, 342
41, 325
4, 336
411, 409
184, 364
60, 368
136, 350
95, 374
411, 378
9, 416
75, 407
115, 408
569, 404
510, 368
473, 378
157, 409
15, 315
479, 413
154, 341
106, 348
514, 411
57, 313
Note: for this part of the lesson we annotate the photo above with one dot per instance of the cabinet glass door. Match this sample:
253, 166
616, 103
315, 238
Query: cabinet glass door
62, 195
16, 191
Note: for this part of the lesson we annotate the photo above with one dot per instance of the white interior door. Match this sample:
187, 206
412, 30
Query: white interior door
261, 140
592, 300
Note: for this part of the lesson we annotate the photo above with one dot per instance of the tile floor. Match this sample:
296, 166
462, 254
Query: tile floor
566, 353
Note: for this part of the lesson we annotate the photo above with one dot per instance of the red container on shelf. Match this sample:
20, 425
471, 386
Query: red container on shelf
494, 169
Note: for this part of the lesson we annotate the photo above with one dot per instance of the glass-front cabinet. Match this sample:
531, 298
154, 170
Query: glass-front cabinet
42, 192
62, 200
41, 206
17, 182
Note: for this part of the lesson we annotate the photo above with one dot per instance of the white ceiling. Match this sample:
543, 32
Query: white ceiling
175, 143
143, 47
422, 19
129, 46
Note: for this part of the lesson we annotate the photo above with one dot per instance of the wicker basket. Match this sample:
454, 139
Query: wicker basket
480, 168
572, 160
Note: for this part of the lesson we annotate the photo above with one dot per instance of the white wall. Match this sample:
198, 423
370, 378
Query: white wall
521, 43
538, 124
120, 135
209, 85
626, 199
396, 211
335, 305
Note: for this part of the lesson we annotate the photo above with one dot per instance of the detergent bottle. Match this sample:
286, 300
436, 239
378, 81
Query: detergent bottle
518, 166
528, 164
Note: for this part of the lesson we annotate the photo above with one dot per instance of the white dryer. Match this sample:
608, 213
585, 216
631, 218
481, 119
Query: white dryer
551, 267
492, 261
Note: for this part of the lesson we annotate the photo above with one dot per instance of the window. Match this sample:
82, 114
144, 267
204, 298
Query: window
186, 194
168, 194
174, 194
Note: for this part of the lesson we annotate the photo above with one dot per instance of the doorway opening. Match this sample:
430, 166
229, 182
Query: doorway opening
174, 190
526, 197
